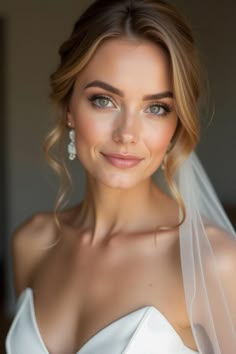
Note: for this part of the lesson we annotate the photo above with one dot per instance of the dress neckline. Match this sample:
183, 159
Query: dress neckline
29, 293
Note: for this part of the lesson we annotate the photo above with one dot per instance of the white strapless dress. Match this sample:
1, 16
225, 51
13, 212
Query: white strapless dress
144, 331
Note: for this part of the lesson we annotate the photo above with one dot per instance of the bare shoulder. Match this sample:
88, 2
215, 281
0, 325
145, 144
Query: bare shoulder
224, 248
223, 243
37, 230
30, 242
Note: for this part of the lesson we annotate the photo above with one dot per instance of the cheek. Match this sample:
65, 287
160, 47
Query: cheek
89, 130
159, 139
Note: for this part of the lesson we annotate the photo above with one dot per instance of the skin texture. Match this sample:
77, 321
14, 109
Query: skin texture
111, 259
124, 125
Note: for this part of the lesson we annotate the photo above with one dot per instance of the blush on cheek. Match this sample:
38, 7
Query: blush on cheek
160, 141
85, 130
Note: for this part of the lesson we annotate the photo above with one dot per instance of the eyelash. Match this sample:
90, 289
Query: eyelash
165, 106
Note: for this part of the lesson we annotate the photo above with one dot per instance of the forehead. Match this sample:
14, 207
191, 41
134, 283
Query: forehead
126, 63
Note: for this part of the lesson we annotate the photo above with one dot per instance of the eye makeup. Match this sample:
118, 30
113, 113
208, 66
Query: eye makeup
163, 108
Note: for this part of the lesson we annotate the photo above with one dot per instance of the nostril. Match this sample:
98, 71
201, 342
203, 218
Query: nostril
126, 132
125, 138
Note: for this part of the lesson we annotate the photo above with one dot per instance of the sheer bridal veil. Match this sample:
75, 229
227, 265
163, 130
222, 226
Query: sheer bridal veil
207, 248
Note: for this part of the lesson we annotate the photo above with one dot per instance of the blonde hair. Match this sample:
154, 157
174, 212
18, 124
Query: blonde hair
152, 20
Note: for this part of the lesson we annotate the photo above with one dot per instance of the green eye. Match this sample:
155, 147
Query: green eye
160, 109
100, 101
156, 109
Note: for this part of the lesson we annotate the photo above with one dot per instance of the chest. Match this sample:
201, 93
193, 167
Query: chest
80, 290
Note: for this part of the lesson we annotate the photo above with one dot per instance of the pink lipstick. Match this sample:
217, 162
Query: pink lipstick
122, 161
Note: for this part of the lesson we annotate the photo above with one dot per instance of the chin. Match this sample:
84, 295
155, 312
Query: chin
119, 182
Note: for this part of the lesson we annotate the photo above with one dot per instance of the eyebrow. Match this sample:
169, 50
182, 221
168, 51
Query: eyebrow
116, 91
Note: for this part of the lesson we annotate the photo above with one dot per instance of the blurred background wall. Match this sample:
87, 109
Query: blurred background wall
30, 34
33, 30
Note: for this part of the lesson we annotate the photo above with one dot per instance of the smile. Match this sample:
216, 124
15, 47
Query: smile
122, 161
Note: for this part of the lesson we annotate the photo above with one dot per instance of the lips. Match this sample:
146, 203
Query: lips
122, 160
123, 156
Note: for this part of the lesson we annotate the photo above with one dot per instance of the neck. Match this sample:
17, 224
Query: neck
106, 211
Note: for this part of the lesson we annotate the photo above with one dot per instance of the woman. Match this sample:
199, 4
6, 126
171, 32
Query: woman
133, 268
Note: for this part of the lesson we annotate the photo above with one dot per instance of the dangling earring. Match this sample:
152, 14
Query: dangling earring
71, 146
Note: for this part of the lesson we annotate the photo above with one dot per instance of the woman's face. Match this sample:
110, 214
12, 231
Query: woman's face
123, 103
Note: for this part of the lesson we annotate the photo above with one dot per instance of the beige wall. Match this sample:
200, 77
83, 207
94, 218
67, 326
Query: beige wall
34, 31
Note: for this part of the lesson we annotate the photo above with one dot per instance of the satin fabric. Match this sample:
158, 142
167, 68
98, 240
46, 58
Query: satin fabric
144, 331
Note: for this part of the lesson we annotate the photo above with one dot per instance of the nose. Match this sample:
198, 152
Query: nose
126, 131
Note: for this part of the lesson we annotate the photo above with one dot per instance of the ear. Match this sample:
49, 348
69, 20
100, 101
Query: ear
69, 116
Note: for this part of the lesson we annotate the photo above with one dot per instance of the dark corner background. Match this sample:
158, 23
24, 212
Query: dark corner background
3, 187
30, 34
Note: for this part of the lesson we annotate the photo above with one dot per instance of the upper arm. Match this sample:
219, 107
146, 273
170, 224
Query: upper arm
223, 294
215, 310
227, 267
224, 249
27, 250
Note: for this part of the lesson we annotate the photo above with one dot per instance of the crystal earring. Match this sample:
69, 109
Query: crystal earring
71, 146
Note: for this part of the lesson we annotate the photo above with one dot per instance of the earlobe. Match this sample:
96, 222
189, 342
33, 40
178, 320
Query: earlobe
69, 119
